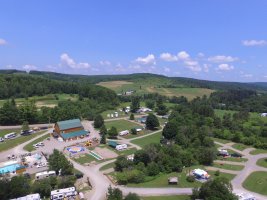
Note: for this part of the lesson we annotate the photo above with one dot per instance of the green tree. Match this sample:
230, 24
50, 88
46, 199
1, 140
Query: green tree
58, 162
103, 139
161, 108
135, 105
133, 131
103, 130
113, 133
98, 121
152, 122
132, 196
19, 186
216, 189
25, 126
132, 116
170, 130
114, 194
150, 103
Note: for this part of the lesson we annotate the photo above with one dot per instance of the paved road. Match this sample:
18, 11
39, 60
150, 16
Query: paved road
249, 167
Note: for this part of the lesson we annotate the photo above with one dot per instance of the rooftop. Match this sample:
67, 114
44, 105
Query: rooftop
73, 123
74, 134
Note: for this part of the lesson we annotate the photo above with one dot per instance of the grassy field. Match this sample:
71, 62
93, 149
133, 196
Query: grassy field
262, 162
240, 146
85, 158
50, 100
121, 125
232, 159
228, 167
162, 180
29, 147
155, 138
258, 151
4, 132
221, 140
108, 166
154, 85
9, 144
257, 182
180, 197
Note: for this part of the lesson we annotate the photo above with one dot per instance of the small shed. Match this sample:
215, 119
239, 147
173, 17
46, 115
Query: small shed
112, 144
173, 180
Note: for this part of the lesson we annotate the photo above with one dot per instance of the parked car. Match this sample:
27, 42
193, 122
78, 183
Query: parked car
236, 155
2, 139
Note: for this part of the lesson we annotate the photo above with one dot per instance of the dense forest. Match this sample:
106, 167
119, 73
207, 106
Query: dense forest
175, 81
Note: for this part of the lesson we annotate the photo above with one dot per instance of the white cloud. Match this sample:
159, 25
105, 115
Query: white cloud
201, 55
225, 67
2, 42
168, 57
247, 75
149, 59
192, 65
206, 67
183, 55
105, 63
29, 67
254, 42
66, 60
134, 67
10, 67
167, 69
222, 59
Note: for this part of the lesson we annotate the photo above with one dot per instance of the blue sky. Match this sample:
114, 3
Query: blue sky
209, 39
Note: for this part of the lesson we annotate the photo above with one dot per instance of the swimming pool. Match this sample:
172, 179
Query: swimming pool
10, 168
75, 149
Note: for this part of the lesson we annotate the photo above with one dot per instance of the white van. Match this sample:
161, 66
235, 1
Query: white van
121, 147
2, 139
126, 132
10, 135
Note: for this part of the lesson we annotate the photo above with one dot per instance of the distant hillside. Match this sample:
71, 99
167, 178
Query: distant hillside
162, 81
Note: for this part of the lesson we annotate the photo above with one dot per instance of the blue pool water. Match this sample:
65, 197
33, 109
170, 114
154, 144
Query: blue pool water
10, 168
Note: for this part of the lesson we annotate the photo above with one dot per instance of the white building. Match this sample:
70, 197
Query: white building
45, 174
29, 197
66, 193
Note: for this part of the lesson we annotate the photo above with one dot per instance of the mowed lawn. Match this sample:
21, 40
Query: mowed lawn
29, 147
121, 125
257, 182
178, 197
9, 144
155, 138
228, 167
262, 162
240, 146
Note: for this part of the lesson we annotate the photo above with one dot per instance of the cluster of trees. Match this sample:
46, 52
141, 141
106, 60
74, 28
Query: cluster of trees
116, 194
11, 114
216, 189
239, 99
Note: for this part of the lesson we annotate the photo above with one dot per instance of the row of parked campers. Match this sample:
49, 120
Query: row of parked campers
66, 193
45, 174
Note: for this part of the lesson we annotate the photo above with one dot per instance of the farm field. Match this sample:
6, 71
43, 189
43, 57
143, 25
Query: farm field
50, 100
256, 182
29, 147
121, 125
154, 85
155, 138
178, 197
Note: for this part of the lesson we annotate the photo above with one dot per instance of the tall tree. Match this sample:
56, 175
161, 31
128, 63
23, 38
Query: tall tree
152, 122
99, 121
135, 103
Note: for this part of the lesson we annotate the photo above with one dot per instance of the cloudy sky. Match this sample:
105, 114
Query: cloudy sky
205, 39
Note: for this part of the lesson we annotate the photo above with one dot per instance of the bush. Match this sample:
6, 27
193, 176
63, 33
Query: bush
79, 175
217, 173
190, 179
132, 116
133, 131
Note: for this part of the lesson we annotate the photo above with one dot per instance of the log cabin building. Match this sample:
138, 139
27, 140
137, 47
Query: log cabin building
69, 129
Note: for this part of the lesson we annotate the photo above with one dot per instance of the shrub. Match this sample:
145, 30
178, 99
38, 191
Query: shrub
190, 179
